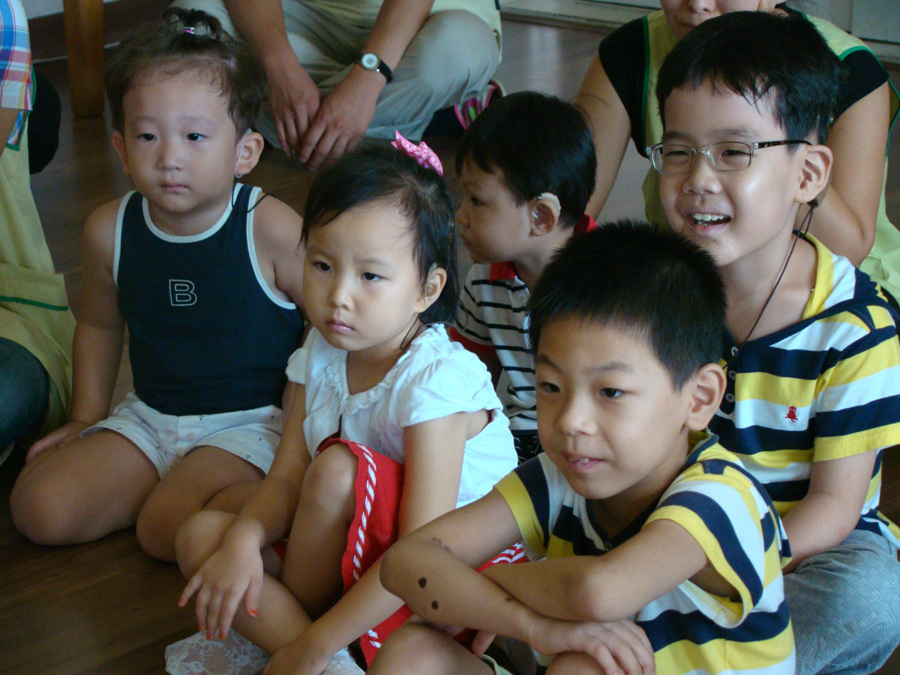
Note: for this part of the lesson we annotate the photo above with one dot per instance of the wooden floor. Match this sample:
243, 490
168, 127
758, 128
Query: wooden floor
106, 607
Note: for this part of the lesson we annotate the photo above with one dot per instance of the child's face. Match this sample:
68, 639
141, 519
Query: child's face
492, 226
685, 15
608, 414
180, 147
744, 215
361, 286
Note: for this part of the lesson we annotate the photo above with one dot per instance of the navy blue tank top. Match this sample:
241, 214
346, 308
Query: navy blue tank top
206, 334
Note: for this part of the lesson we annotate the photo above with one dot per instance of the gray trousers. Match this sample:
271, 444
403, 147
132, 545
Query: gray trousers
451, 58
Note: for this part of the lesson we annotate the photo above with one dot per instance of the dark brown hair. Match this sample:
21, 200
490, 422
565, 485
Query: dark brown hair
189, 40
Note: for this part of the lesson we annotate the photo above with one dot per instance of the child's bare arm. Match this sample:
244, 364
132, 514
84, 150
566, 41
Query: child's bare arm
830, 510
433, 570
99, 333
613, 586
277, 229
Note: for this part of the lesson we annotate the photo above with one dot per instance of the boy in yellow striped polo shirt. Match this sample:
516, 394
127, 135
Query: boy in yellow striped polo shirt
812, 356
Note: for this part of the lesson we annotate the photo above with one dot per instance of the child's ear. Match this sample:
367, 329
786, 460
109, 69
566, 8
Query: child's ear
249, 149
707, 387
545, 210
431, 289
815, 172
118, 142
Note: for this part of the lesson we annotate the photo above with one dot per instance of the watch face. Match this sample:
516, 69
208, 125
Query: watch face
369, 61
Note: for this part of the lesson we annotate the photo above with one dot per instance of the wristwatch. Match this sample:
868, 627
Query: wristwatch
373, 62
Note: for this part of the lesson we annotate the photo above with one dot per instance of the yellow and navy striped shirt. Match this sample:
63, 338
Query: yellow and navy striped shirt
728, 513
824, 388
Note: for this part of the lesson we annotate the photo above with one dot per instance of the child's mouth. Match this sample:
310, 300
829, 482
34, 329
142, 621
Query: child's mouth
707, 219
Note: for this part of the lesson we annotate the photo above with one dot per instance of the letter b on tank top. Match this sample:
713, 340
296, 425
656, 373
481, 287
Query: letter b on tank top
181, 293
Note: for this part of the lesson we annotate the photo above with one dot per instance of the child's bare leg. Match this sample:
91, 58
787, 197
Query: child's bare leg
281, 620
184, 491
233, 498
83, 490
416, 648
200, 537
312, 567
575, 663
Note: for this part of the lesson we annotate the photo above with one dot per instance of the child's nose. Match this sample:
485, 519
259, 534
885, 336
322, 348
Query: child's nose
701, 176
461, 216
575, 417
340, 293
701, 6
169, 157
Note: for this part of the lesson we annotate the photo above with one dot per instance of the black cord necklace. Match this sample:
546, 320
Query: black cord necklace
805, 224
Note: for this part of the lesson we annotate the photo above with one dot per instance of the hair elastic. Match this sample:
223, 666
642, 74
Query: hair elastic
190, 29
424, 155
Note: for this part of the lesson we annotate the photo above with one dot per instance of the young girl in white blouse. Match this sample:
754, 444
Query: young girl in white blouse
389, 424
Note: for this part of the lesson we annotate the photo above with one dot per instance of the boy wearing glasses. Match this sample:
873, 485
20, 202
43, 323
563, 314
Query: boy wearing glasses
812, 357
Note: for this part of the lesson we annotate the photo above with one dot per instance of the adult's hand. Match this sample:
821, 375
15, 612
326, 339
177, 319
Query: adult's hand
294, 100
342, 118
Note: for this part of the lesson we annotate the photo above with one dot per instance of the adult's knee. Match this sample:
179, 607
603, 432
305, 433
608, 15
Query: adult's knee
454, 48
198, 538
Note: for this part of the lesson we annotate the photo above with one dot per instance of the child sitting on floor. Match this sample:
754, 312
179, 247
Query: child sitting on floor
812, 356
203, 272
526, 167
390, 425
641, 515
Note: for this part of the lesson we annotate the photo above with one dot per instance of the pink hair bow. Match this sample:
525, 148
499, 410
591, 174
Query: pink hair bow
421, 153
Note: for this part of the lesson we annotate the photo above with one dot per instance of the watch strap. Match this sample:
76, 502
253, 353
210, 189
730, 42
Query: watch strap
380, 66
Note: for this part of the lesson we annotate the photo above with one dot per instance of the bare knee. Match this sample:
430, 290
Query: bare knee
156, 528
200, 537
413, 648
43, 510
574, 663
330, 479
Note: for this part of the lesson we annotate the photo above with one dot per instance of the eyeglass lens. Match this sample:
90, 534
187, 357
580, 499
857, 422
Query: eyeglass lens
725, 156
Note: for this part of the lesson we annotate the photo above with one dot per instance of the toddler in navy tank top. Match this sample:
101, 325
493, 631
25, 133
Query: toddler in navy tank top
204, 273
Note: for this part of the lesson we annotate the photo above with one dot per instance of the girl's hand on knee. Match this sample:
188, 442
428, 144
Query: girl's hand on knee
65, 434
232, 573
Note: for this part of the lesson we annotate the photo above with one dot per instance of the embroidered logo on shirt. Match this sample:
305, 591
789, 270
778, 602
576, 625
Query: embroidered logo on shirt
792, 414
181, 293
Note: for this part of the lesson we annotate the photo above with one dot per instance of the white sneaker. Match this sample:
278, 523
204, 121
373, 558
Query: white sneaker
235, 655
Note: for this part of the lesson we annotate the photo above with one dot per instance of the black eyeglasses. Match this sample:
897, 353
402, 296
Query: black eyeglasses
675, 158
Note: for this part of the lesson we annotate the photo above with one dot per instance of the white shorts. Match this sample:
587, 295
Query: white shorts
252, 435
